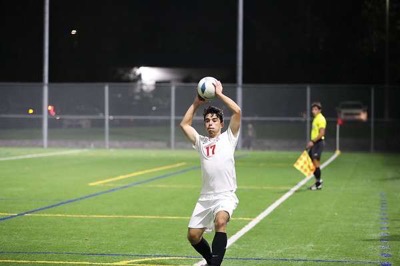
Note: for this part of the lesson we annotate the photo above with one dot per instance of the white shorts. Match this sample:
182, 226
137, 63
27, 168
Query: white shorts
208, 206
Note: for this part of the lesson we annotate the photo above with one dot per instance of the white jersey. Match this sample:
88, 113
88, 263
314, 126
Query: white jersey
217, 162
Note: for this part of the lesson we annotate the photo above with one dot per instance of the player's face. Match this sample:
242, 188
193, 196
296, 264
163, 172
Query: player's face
213, 125
315, 111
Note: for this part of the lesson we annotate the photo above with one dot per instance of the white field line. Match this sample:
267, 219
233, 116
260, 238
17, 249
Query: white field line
272, 207
37, 155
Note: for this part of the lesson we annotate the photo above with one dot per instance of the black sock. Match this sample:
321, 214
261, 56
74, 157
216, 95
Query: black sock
204, 249
317, 174
218, 248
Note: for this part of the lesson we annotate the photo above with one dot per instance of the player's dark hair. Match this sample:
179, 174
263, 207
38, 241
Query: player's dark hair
316, 104
214, 110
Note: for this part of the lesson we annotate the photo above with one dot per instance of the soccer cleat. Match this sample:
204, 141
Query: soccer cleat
317, 185
203, 262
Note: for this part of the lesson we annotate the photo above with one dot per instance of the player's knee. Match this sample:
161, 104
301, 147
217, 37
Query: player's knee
193, 237
220, 223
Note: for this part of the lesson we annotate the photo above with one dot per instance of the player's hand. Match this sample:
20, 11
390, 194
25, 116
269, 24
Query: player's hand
310, 144
198, 100
218, 88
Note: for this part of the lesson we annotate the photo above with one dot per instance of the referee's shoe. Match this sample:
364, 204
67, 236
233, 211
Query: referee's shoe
317, 185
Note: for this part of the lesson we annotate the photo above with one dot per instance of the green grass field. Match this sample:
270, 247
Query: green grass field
132, 207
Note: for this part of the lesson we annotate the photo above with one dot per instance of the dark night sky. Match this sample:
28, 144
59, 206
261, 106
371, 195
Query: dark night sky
296, 41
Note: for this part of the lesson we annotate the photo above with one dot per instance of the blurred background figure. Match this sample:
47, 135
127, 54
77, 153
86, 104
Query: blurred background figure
249, 137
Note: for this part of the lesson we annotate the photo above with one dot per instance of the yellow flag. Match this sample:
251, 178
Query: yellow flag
304, 164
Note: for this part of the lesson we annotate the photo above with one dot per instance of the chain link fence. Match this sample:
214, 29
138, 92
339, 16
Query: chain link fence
131, 115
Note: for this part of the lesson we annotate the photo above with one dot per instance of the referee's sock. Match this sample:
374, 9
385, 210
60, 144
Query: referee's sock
204, 249
317, 174
218, 248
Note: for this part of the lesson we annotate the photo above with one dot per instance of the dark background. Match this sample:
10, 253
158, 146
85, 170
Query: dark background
296, 41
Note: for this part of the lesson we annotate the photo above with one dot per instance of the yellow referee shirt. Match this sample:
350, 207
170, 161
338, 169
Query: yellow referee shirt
318, 122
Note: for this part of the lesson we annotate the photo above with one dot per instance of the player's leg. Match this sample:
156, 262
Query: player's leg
315, 154
223, 212
317, 174
199, 243
202, 219
220, 238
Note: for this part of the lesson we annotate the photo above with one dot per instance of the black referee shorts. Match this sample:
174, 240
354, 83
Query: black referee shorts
316, 151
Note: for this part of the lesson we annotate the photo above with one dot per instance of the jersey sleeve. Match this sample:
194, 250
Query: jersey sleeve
196, 145
232, 139
322, 123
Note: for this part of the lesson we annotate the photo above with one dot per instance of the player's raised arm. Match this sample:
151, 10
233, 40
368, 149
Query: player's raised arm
232, 105
187, 120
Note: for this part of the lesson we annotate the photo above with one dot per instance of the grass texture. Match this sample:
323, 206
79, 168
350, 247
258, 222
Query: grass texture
132, 207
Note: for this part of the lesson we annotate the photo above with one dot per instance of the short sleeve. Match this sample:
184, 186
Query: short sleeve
196, 145
232, 139
322, 123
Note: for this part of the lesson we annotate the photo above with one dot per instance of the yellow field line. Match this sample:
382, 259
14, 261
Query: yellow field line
128, 262
137, 173
113, 216
74, 262
197, 187
158, 186
262, 187
54, 262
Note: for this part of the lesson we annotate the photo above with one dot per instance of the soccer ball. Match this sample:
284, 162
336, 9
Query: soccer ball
206, 88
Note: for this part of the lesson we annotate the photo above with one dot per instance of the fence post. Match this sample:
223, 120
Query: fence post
337, 135
106, 118
308, 112
172, 124
45, 122
372, 144
45, 117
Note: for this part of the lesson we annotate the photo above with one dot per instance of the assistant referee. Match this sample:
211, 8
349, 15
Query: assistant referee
316, 145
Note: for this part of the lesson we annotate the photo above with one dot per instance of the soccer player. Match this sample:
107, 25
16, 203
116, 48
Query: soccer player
316, 145
217, 199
